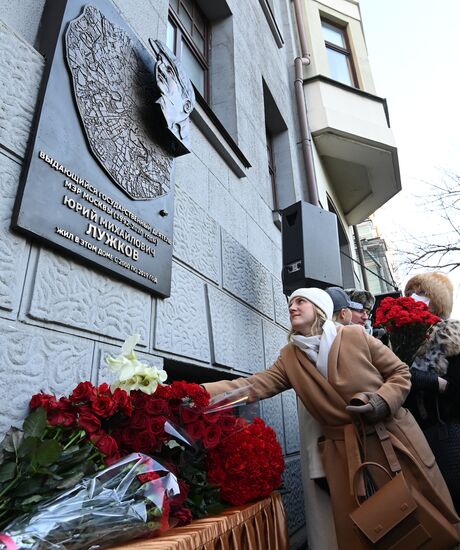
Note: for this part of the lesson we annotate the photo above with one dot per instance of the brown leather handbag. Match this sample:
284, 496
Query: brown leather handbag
397, 516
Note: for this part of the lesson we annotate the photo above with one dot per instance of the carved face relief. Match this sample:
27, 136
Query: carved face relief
177, 97
113, 90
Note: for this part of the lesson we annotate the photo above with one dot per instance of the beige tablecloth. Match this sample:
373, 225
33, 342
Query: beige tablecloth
257, 526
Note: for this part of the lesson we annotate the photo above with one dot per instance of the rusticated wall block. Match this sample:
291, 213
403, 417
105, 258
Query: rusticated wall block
14, 249
275, 338
293, 498
245, 277
181, 322
237, 333
291, 422
67, 293
272, 413
281, 305
33, 359
21, 69
196, 237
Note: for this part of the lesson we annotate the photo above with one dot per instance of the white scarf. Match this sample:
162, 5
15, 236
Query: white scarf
317, 347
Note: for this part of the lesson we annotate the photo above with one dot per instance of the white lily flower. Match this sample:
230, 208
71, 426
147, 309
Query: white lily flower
132, 373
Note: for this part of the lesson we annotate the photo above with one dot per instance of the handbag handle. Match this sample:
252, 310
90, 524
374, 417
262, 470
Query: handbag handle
382, 434
355, 477
387, 446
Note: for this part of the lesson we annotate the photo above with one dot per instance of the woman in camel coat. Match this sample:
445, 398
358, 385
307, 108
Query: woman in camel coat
327, 366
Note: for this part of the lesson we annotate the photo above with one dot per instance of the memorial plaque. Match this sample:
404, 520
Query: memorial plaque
98, 181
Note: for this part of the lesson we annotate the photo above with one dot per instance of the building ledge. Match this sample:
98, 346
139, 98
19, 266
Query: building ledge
206, 120
352, 134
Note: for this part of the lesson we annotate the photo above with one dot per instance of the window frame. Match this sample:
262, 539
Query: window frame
182, 34
271, 168
345, 51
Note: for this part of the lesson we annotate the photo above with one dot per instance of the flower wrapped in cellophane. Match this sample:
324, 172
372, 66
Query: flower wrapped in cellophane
129, 499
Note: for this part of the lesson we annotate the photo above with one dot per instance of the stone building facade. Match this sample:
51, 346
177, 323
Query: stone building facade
227, 314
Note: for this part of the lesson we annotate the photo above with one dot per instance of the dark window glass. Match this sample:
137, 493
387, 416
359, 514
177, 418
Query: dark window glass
271, 168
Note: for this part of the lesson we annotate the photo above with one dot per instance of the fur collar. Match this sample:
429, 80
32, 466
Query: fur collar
443, 342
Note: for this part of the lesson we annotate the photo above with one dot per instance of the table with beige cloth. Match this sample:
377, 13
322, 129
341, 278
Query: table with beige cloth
256, 526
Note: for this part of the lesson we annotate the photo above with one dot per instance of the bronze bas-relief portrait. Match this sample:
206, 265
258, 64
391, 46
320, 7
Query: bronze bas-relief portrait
177, 98
114, 91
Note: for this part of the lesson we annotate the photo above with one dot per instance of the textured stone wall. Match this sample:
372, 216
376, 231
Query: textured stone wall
59, 319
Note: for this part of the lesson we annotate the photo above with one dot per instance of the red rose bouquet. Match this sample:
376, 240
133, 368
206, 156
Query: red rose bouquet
212, 454
407, 322
248, 464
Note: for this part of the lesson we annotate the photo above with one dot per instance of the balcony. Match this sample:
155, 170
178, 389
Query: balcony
352, 135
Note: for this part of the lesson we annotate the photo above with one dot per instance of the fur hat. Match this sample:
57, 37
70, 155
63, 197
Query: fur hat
437, 287
362, 296
316, 296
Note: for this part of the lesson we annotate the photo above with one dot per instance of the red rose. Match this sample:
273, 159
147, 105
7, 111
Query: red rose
190, 414
157, 425
212, 417
59, 417
104, 406
105, 443
183, 516
143, 442
140, 421
178, 500
126, 438
148, 476
88, 422
212, 435
163, 392
109, 460
164, 521
104, 389
44, 400
85, 391
196, 429
123, 401
156, 406
140, 399
227, 423
65, 404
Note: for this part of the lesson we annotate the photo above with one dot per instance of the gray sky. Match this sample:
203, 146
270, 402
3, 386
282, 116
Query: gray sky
414, 48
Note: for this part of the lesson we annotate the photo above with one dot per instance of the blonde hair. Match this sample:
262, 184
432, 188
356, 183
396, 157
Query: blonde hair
316, 328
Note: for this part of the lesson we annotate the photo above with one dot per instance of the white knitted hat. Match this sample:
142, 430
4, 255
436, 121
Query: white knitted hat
318, 297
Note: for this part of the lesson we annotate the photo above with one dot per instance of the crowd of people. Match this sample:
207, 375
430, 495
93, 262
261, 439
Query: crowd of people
331, 358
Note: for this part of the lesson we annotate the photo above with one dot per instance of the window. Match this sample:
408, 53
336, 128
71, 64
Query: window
278, 188
271, 168
187, 36
338, 53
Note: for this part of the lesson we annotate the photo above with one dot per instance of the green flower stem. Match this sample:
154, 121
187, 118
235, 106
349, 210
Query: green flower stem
97, 454
79, 435
58, 433
8, 487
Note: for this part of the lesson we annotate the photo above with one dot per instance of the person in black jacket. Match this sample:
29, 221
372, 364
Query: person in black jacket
434, 399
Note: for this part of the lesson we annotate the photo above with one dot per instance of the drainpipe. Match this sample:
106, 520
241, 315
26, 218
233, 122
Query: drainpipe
359, 249
305, 135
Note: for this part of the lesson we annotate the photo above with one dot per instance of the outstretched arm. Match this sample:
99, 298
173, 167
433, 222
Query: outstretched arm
264, 384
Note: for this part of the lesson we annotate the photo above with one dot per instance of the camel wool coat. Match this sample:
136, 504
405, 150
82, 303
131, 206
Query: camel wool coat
357, 363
